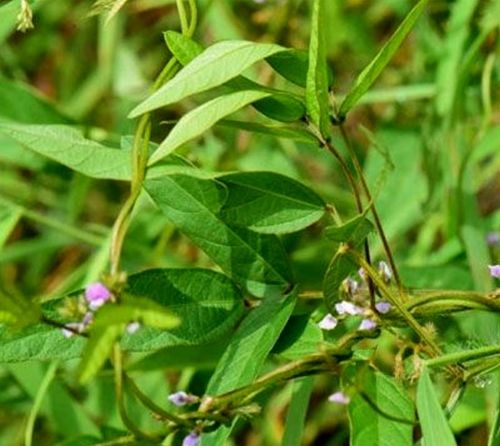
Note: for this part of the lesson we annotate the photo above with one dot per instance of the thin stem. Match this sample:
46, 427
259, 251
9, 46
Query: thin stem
194, 18
378, 223
469, 355
120, 397
182, 16
52, 323
151, 405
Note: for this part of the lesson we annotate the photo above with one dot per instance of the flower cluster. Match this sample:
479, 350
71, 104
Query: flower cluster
346, 308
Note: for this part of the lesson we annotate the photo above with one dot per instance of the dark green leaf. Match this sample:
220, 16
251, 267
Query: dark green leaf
435, 427
300, 338
246, 353
292, 65
270, 203
352, 232
193, 205
338, 270
381, 427
317, 78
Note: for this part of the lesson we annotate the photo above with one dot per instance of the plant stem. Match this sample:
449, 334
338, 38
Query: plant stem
376, 217
468, 355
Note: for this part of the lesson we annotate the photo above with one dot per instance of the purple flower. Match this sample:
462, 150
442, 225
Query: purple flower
328, 322
345, 307
383, 307
350, 286
493, 238
96, 295
385, 271
182, 398
191, 440
494, 271
339, 398
362, 274
367, 324
133, 327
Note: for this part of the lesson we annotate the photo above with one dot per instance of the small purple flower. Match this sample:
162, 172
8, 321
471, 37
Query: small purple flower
339, 398
72, 329
96, 295
494, 271
385, 271
328, 322
133, 327
345, 307
493, 238
367, 324
350, 286
182, 398
362, 274
191, 440
383, 307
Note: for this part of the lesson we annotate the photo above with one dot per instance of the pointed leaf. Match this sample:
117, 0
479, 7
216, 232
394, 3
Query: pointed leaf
369, 426
380, 61
199, 120
292, 65
269, 203
216, 65
317, 78
193, 205
352, 232
435, 427
246, 353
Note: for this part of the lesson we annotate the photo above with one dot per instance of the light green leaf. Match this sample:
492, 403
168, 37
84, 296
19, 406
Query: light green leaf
145, 311
300, 337
202, 118
435, 427
369, 426
246, 353
280, 105
352, 232
215, 66
68, 146
193, 205
317, 78
297, 410
97, 351
368, 76
477, 256
338, 270
278, 131
269, 203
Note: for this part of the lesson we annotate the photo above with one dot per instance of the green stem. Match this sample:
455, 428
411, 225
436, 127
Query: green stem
378, 223
42, 390
469, 355
182, 16
194, 18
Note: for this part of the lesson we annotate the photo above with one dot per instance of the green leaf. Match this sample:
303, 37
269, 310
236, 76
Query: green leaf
199, 120
269, 203
435, 427
338, 270
207, 303
246, 353
368, 76
477, 256
297, 410
145, 311
280, 105
215, 66
317, 78
278, 131
293, 65
67, 146
370, 426
193, 205
25, 106
300, 337
9, 217
352, 232
97, 351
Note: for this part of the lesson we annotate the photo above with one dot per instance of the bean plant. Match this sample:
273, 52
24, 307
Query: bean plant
277, 240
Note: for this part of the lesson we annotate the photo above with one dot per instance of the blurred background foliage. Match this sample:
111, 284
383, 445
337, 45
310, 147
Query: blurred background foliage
427, 134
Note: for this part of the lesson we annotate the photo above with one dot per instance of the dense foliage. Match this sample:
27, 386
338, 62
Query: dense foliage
242, 222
